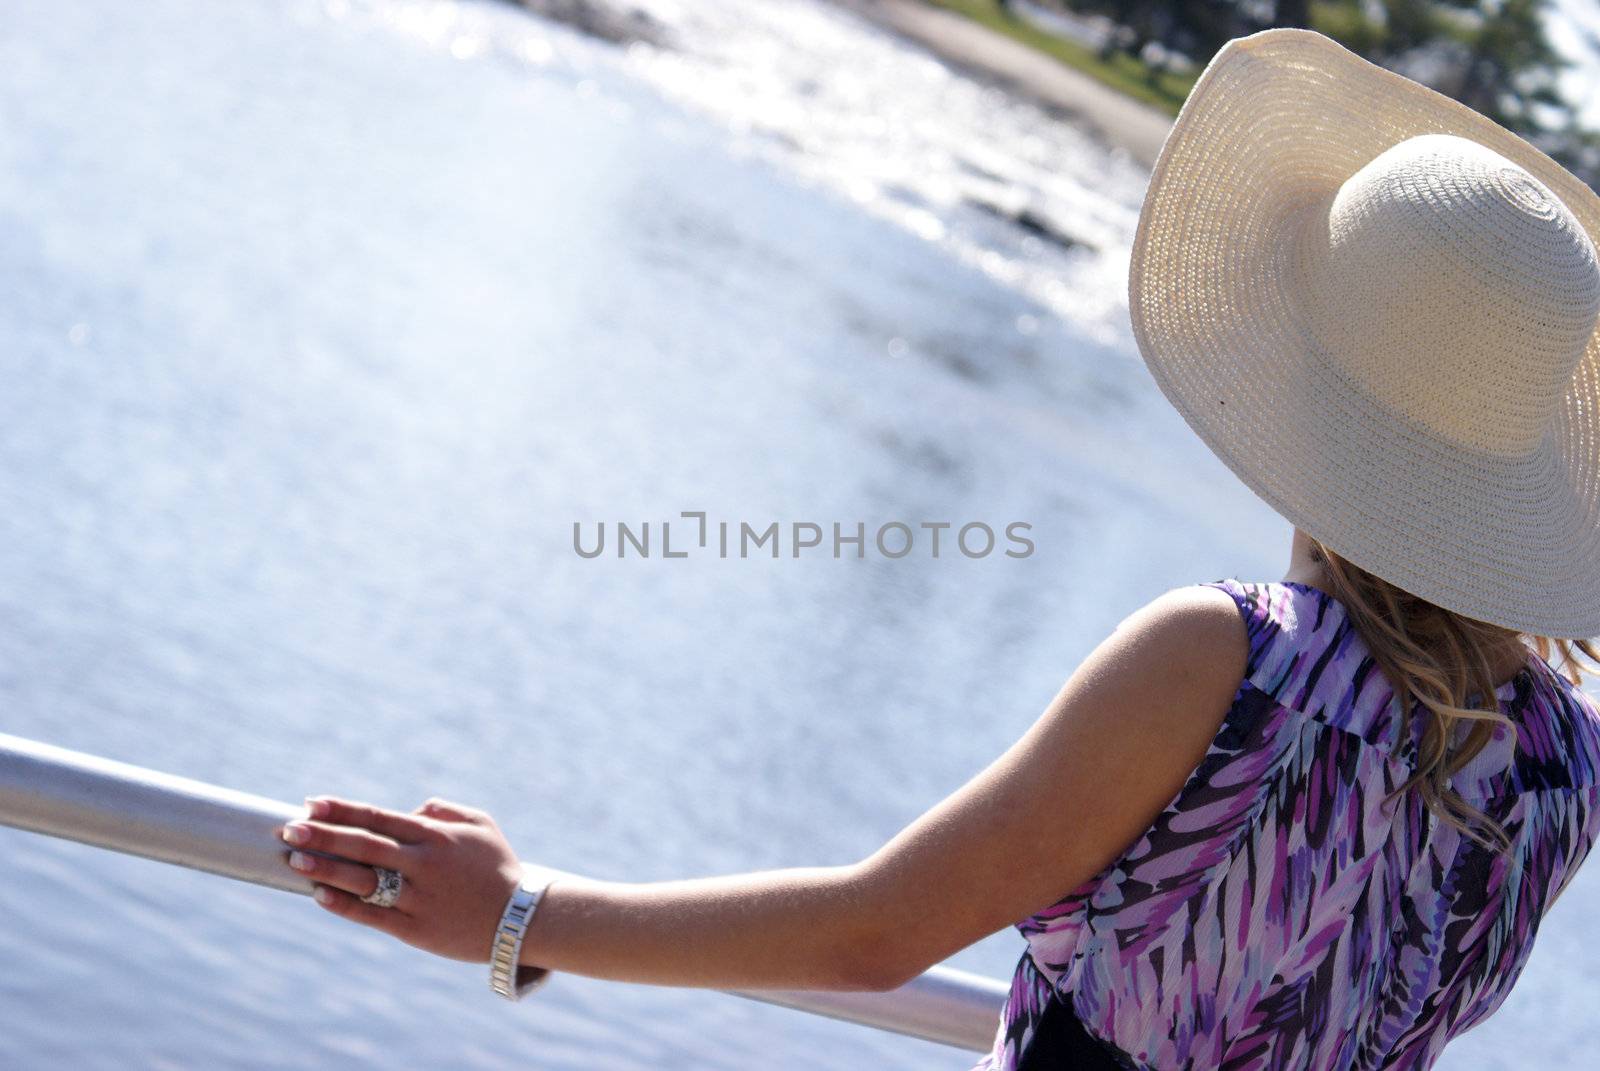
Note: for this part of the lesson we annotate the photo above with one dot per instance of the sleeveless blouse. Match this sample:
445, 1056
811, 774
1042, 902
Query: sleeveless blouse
1278, 914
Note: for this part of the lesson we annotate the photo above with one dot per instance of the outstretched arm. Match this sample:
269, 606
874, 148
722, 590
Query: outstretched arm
1088, 777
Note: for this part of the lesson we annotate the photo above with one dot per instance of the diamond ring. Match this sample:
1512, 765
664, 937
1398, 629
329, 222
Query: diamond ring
388, 890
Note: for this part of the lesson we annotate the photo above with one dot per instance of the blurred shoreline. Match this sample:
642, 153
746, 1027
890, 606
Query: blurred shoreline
1111, 117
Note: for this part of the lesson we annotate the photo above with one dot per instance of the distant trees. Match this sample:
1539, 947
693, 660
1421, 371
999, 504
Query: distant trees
1292, 13
1193, 28
1509, 66
1492, 55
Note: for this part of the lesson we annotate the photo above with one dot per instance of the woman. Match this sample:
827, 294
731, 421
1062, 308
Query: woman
1310, 823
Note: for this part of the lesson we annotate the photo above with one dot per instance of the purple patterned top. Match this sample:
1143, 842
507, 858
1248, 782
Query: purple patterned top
1275, 915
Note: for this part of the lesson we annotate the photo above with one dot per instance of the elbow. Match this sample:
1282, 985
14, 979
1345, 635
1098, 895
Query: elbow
892, 980
902, 974
877, 966
874, 951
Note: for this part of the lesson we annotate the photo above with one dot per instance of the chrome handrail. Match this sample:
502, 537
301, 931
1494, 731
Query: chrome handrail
131, 809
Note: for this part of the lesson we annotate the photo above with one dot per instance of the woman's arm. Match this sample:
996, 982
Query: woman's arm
799, 928
1091, 774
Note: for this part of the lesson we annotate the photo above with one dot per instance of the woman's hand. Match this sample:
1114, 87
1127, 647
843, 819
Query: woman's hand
457, 870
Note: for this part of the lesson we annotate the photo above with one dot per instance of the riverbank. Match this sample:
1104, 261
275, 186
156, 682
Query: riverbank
1112, 117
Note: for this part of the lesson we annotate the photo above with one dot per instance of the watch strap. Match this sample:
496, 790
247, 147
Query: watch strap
507, 976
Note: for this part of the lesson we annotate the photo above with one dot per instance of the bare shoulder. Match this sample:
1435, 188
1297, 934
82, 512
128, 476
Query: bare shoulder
1191, 636
1194, 607
1093, 772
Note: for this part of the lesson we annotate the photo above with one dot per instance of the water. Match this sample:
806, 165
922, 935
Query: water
325, 323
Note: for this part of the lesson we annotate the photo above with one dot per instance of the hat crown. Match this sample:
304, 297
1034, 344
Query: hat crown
1454, 289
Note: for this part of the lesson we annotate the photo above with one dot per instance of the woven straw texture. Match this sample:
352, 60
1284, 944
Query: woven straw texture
1418, 388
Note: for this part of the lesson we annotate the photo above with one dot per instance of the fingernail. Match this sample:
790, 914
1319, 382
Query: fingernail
300, 861
317, 807
295, 833
322, 895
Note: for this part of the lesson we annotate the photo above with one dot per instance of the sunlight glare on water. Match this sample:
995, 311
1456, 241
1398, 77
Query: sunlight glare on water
324, 324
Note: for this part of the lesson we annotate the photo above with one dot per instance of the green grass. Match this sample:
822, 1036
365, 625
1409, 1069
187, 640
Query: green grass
1121, 71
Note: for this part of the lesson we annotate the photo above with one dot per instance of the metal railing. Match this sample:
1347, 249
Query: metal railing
131, 809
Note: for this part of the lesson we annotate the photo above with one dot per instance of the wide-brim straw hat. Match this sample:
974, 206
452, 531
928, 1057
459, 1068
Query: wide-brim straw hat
1378, 308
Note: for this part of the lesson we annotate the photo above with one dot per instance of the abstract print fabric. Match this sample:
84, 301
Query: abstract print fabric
1278, 914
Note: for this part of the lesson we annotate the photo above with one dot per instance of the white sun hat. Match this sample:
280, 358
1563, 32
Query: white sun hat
1378, 308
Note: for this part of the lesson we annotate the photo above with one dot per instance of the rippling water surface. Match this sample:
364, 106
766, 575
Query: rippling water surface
323, 325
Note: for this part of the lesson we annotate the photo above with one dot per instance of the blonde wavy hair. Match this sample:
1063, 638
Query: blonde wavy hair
1439, 658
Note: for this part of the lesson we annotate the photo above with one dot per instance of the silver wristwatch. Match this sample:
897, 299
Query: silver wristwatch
506, 976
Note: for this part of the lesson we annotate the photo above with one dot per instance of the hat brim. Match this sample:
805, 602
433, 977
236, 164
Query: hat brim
1277, 121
